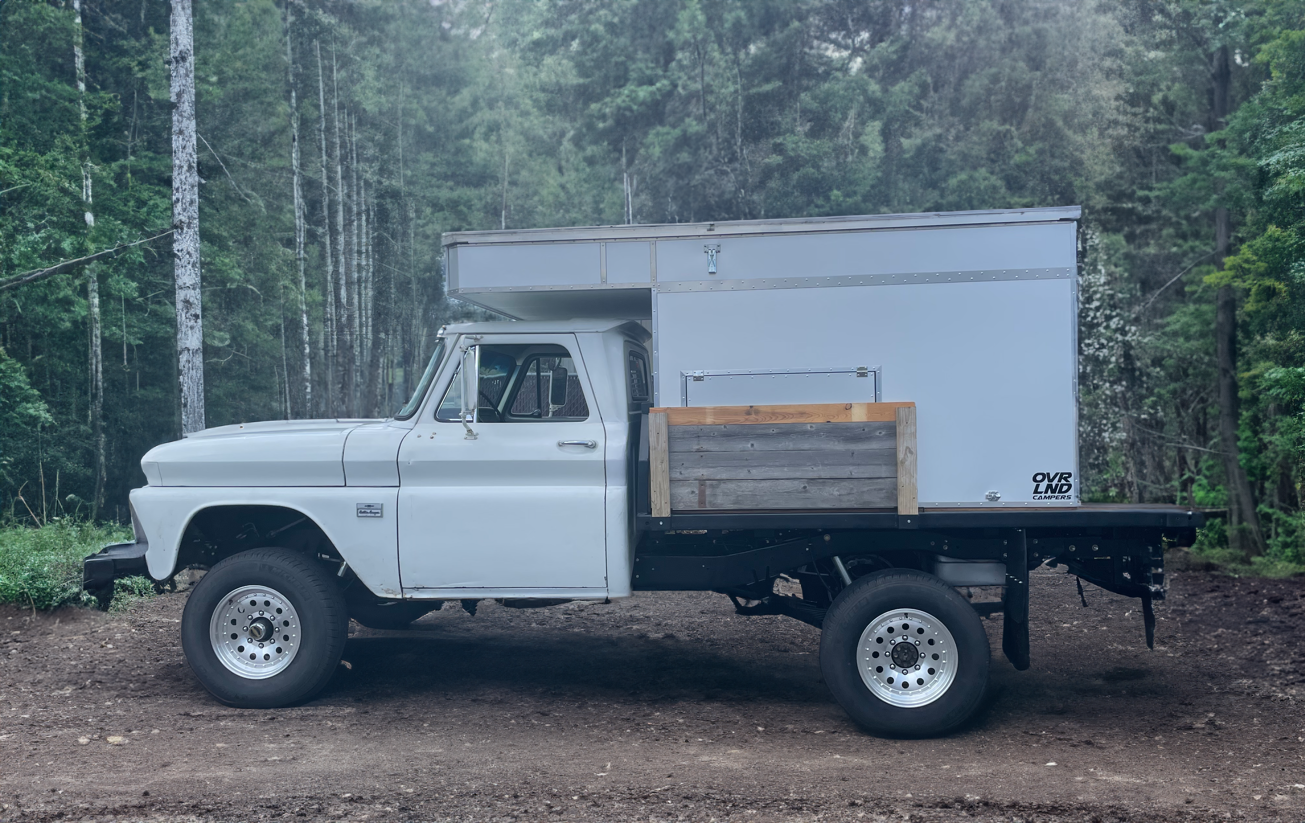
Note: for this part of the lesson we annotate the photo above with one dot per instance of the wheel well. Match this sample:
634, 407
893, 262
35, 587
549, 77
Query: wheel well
221, 531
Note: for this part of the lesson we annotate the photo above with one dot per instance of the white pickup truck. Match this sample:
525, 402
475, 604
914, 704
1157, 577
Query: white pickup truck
879, 411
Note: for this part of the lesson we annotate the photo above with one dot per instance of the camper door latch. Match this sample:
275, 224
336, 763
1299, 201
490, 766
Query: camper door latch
711, 250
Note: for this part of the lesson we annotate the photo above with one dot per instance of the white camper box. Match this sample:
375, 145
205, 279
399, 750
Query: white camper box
970, 315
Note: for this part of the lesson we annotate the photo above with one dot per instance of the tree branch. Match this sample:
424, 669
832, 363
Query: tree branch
1174, 280
41, 274
239, 191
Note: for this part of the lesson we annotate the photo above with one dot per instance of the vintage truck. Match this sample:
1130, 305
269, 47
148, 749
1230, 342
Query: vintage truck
858, 422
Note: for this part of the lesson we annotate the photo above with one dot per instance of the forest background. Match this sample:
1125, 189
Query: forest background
338, 139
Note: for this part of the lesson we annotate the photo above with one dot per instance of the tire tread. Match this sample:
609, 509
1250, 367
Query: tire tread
848, 614
334, 626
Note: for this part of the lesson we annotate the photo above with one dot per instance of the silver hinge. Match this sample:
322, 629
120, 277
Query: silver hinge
711, 251
862, 371
698, 376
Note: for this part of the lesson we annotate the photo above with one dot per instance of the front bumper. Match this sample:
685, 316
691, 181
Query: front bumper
112, 563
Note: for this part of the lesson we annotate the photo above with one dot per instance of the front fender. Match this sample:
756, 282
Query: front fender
369, 544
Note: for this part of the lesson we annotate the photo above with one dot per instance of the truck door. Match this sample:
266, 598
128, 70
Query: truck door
519, 510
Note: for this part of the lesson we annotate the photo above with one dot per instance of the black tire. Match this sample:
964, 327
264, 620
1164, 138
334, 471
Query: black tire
875, 595
324, 626
394, 617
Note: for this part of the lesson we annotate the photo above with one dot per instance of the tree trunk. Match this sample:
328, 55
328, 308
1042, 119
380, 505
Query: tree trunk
185, 220
364, 292
95, 349
625, 186
364, 308
355, 275
345, 348
299, 219
503, 213
1244, 533
285, 361
503, 137
397, 319
375, 343
328, 256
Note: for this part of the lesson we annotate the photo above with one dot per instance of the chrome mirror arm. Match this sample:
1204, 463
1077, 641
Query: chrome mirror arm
469, 376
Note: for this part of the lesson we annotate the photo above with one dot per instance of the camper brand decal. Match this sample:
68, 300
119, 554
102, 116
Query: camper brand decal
371, 509
1052, 485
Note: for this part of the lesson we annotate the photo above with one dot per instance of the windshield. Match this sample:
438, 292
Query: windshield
410, 408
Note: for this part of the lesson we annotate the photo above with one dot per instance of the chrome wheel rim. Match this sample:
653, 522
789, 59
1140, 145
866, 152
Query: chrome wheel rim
255, 632
907, 658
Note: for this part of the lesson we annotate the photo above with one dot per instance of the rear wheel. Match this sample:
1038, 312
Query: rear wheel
904, 654
264, 628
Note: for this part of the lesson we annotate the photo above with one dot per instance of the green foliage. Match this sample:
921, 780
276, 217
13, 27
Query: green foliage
22, 417
525, 113
41, 568
128, 591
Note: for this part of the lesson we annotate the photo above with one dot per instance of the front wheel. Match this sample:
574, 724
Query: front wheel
904, 654
264, 628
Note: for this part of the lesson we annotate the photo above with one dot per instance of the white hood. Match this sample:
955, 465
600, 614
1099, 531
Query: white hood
274, 453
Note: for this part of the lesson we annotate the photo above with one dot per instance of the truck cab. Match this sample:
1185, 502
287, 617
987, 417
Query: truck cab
524, 492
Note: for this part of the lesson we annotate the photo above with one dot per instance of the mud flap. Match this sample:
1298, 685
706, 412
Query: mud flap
1148, 620
1015, 622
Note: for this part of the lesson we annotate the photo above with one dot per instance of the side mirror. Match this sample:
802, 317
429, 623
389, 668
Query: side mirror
557, 385
469, 374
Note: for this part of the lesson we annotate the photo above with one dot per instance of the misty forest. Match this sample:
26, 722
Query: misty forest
336, 140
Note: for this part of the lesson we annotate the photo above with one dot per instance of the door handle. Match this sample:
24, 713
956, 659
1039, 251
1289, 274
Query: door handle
588, 444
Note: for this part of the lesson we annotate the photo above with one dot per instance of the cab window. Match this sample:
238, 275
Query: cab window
637, 375
540, 386
496, 370
521, 384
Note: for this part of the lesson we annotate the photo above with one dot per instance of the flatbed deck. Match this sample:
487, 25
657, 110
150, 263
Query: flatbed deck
1087, 516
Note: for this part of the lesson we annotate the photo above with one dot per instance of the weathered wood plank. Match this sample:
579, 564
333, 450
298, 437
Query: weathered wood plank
907, 492
784, 437
765, 465
659, 478
807, 413
784, 494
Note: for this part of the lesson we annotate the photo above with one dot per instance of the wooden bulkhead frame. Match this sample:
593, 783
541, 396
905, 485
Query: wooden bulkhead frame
755, 458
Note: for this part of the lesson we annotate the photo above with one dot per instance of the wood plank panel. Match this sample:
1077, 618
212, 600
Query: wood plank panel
766, 465
907, 491
784, 494
783, 437
807, 413
659, 479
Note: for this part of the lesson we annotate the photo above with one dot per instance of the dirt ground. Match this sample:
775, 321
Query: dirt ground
666, 707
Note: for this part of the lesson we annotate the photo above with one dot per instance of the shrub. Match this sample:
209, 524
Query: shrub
128, 591
42, 568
